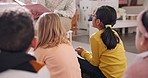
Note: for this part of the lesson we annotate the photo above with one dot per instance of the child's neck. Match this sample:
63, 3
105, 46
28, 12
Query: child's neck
101, 28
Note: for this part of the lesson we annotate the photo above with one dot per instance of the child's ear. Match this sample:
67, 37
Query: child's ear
34, 42
98, 22
144, 41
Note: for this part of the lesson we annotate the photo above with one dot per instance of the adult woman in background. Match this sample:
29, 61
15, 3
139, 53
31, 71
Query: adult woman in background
65, 8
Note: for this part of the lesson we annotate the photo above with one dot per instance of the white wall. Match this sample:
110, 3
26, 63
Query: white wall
146, 4
113, 3
87, 7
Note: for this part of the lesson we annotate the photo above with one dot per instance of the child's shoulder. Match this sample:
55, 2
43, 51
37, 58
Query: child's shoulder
97, 35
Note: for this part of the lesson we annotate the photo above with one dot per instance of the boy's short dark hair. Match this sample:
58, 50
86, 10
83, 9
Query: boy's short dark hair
16, 30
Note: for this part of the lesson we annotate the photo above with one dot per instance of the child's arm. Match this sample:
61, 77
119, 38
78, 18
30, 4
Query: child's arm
94, 56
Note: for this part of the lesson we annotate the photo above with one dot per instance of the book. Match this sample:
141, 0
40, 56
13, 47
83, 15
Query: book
35, 9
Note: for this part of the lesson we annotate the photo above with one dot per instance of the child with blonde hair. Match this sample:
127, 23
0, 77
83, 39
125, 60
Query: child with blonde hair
54, 49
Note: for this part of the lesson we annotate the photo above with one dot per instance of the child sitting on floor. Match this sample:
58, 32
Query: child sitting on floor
107, 58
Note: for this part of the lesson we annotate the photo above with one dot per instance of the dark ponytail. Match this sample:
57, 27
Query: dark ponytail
109, 38
107, 16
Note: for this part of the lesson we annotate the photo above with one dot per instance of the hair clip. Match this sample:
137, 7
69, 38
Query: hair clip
108, 26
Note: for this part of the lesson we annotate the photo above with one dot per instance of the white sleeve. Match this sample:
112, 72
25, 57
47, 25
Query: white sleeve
41, 2
70, 9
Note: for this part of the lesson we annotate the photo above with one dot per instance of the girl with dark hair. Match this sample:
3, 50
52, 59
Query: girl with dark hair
107, 58
139, 68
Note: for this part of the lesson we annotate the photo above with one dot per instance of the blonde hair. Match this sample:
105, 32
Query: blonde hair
50, 31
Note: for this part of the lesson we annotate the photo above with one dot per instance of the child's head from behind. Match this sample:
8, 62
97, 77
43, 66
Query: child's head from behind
105, 15
142, 31
16, 30
105, 18
50, 31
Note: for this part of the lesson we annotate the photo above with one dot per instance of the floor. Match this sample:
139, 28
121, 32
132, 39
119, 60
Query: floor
128, 40
82, 39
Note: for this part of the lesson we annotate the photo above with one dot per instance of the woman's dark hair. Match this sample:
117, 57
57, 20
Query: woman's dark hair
108, 16
144, 20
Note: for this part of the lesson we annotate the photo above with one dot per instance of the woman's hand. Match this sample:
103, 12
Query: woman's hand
36, 14
79, 50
